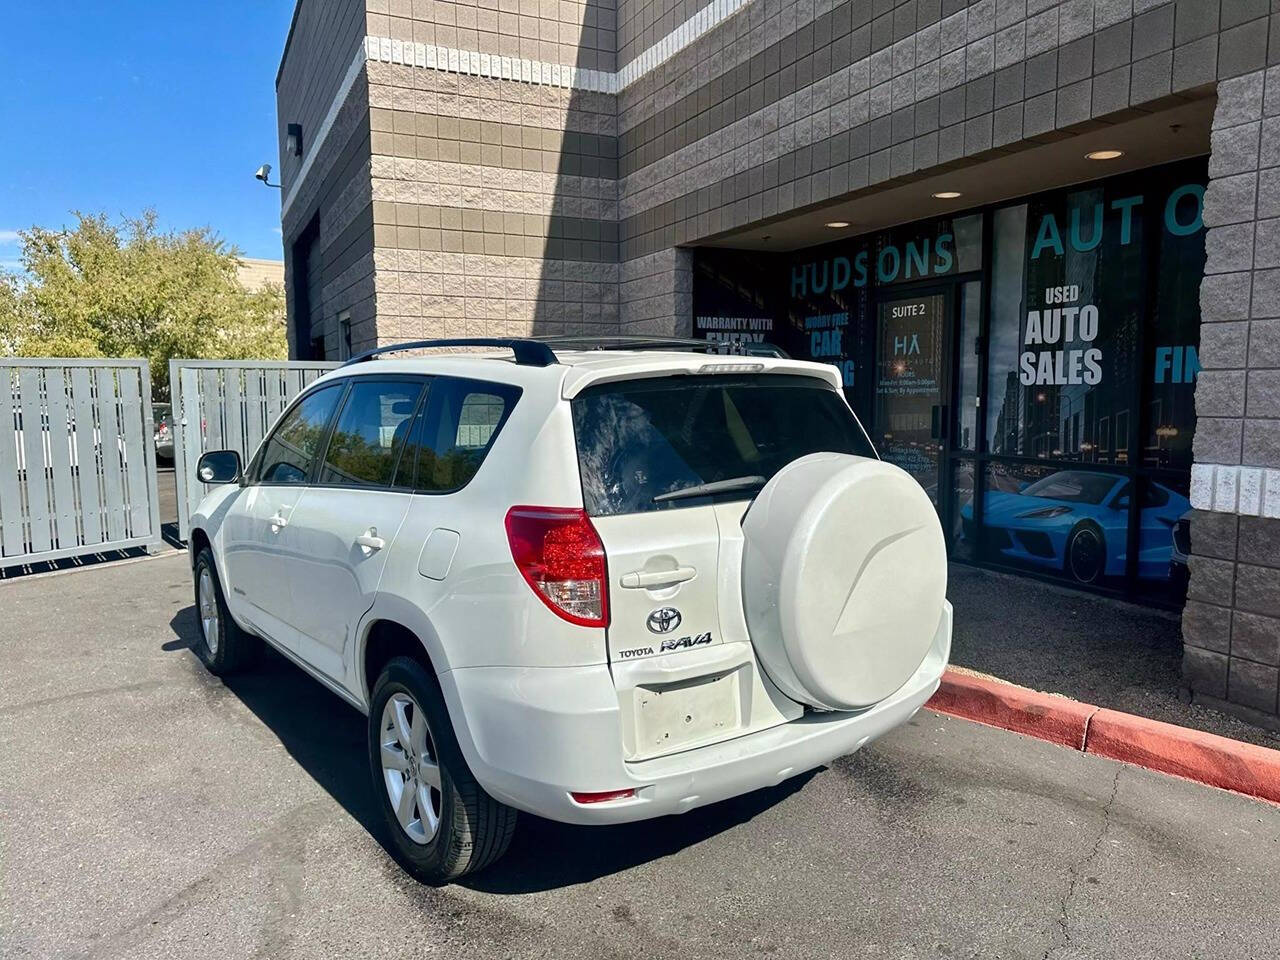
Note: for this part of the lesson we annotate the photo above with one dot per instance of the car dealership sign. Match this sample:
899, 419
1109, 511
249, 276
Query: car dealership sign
1055, 328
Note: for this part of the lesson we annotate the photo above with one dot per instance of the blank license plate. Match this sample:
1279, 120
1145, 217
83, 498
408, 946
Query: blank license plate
675, 714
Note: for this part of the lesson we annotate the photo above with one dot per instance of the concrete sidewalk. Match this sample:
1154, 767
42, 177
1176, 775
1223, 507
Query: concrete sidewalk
1094, 649
149, 810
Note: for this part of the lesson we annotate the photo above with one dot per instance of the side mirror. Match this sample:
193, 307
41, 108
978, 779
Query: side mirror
219, 466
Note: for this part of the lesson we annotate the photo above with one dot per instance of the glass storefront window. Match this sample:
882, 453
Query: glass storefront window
910, 364
1164, 536
927, 251
968, 347
1069, 296
1173, 341
732, 304
1028, 420
1070, 521
964, 533
826, 318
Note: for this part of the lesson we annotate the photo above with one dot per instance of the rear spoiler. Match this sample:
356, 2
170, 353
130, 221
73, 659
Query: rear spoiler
580, 376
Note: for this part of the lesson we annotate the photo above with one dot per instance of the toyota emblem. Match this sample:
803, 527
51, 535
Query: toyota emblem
664, 620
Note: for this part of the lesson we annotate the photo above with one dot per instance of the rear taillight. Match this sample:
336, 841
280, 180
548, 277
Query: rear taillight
560, 555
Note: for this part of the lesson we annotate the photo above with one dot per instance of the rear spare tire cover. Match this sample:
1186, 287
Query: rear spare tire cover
844, 575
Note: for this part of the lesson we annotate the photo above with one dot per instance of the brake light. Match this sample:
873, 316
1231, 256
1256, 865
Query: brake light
559, 554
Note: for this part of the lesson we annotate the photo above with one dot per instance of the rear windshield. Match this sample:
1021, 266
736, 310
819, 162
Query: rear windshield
642, 442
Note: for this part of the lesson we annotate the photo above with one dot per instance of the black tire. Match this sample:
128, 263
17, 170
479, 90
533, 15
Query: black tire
473, 829
1085, 556
223, 647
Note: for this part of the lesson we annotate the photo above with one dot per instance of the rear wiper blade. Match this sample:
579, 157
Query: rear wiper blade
712, 488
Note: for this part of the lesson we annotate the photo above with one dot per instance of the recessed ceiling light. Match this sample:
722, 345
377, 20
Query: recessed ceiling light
838, 224
947, 195
1104, 154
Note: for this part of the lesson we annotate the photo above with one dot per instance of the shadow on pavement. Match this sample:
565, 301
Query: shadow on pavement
321, 732
327, 738
546, 855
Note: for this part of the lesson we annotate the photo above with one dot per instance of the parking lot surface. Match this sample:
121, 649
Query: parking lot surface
149, 810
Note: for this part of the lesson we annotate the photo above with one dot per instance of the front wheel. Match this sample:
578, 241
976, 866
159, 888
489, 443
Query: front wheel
441, 823
1086, 554
223, 647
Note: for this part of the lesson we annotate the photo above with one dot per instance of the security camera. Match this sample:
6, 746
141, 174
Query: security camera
264, 172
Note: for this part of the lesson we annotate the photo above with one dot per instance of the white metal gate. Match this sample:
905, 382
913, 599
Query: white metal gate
227, 405
77, 464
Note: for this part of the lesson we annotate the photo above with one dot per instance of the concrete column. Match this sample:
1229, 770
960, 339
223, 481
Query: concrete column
1231, 625
656, 295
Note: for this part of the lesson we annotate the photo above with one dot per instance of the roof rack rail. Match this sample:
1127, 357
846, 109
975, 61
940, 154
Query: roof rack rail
539, 352
641, 342
527, 352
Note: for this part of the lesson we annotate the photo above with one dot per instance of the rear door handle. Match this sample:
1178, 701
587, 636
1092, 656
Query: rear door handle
278, 521
370, 542
657, 578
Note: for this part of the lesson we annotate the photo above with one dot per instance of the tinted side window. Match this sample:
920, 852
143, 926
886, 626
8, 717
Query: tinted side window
370, 433
460, 421
288, 455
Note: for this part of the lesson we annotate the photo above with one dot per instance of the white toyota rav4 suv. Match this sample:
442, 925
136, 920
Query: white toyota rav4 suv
594, 584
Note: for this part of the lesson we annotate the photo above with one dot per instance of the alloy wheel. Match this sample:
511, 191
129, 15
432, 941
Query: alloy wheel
208, 602
1086, 555
410, 768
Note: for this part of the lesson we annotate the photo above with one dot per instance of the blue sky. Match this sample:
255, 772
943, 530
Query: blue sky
125, 105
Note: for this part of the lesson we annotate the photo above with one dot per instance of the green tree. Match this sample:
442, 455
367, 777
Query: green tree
126, 289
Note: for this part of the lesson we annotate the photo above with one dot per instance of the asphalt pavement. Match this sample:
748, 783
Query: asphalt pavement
149, 810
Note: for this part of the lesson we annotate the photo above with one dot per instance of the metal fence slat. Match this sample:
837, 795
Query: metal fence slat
275, 396
88, 479
109, 450
61, 442
211, 409
152, 476
233, 412
35, 477
190, 440
135, 459
12, 541
254, 412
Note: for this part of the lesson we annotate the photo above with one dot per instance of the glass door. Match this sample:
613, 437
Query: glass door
910, 415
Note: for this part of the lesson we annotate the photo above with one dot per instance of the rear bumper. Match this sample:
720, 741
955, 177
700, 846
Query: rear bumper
533, 735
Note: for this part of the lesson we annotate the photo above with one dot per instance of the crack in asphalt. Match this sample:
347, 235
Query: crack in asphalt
1063, 932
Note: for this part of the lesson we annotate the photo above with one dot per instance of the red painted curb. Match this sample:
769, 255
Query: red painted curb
1165, 747
1205, 757
1011, 707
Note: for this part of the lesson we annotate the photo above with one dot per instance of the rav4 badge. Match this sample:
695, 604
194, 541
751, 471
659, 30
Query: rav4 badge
684, 643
